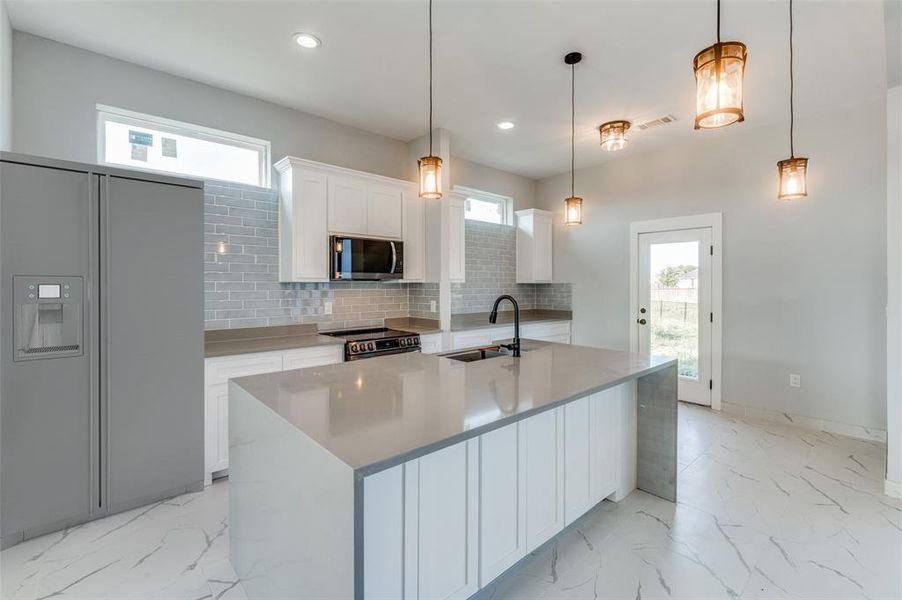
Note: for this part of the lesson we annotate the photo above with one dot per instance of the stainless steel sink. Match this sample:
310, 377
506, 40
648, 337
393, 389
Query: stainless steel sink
476, 354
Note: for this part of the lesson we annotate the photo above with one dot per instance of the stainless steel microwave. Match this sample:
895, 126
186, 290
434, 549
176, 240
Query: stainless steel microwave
370, 259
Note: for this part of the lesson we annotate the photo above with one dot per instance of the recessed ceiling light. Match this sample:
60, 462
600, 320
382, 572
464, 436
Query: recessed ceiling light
505, 125
307, 40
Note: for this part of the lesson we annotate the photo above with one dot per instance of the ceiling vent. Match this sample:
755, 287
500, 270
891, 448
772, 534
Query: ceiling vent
656, 122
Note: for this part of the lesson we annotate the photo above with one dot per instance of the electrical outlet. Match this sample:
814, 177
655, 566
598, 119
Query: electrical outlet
795, 380
327, 308
432, 306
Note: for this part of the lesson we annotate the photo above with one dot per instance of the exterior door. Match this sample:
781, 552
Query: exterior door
674, 315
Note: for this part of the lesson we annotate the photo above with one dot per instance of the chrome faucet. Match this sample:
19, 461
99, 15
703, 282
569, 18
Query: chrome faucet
514, 346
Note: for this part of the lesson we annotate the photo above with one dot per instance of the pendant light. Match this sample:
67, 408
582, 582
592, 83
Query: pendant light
613, 135
573, 206
793, 172
429, 168
719, 70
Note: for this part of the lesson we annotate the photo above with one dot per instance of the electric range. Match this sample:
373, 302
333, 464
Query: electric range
380, 341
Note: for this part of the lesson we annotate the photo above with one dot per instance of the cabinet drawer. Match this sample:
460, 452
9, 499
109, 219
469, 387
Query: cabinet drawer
471, 339
312, 357
552, 332
221, 369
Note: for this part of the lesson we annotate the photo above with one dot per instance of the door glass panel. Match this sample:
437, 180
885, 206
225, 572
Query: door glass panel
673, 309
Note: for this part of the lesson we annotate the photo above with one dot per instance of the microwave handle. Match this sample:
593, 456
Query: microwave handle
394, 257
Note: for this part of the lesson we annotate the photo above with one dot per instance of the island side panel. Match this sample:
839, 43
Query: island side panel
291, 508
656, 430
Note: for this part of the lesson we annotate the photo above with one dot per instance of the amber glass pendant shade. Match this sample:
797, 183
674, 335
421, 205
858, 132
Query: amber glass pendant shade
793, 174
573, 209
613, 135
719, 70
430, 177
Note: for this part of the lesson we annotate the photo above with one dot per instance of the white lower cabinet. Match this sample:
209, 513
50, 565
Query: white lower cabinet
502, 501
446, 524
558, 331
431, 343
544, 464
604, 443
383, 536
577, 499
441, 523
217, 372
591, 451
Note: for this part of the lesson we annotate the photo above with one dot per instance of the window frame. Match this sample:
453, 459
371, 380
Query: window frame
506, 202
107, 113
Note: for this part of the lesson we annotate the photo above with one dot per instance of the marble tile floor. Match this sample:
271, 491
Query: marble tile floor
765, 511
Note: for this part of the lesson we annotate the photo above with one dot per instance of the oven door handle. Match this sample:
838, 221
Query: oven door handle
394, 257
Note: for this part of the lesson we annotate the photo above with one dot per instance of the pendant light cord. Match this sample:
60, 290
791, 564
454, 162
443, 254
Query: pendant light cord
430, 77
718, 21
572, 130
792, 119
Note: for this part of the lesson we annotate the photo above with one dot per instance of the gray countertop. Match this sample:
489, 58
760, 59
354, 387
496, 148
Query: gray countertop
469, 321
377, 413
229, 342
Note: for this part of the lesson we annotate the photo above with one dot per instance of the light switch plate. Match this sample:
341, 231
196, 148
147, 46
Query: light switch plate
795, 380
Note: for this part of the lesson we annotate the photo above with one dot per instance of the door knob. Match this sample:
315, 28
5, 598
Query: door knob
642, 310
641, 321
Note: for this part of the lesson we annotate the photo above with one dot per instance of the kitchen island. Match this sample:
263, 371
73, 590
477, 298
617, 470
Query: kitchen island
414, 476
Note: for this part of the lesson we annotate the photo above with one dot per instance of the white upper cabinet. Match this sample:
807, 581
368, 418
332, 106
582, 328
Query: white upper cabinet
456, 234
534, 249
303, 231
347, 205
384, 211
414, 213
318, 200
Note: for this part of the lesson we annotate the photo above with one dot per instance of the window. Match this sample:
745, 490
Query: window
139, 141
484, 206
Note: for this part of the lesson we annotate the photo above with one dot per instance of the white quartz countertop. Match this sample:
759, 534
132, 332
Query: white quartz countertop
376, 413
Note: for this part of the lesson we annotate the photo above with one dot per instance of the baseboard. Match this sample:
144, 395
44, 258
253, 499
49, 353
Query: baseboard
813, 424
892, 488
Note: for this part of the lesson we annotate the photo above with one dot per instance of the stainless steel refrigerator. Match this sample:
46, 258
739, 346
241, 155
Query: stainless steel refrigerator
101, 360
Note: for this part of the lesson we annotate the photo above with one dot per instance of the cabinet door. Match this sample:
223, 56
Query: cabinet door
457, 250
441, 523
216, 428
312, 357
383, 535
577, 497
347, 205
414, 237
544, 465
302, 226
604, 414
384, 211
542, 258
502, 498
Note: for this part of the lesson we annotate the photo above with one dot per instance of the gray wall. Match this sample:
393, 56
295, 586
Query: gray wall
804, 282
56, 88
492, 271
496, 181
241, 286
6, 65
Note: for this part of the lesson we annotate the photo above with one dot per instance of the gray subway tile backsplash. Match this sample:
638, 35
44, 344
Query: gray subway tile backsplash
242, 287
492, 271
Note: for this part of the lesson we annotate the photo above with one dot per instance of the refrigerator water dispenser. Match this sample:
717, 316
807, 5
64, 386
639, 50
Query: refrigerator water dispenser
48, 317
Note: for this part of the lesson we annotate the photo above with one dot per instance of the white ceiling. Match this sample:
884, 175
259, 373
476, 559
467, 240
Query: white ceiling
493, 61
